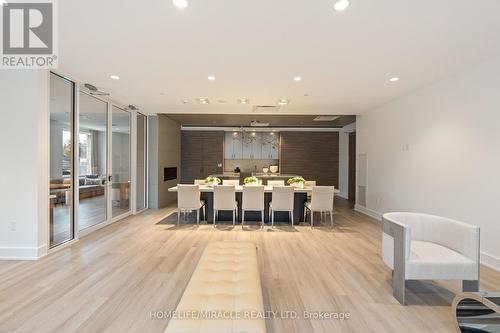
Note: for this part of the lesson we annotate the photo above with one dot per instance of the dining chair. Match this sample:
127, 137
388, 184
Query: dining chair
188, 199
225, 199
199, 182
309, 183
283, 201
321, 201
253, 200
275, 183
234, 182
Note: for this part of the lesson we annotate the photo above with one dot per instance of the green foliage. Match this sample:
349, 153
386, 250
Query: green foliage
249, 180
295, 180
213, 180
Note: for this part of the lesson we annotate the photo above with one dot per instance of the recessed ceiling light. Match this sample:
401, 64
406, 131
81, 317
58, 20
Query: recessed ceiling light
203, 100
243, 101
341, 5
283, 101
211, 78
115, 77
180, 3
394, 79
297, 78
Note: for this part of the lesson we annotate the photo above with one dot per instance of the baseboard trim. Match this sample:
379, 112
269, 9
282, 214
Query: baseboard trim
490, 261
367, 211
23, 253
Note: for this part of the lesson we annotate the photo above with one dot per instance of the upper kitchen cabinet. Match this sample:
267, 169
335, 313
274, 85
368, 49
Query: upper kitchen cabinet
270, 146
252, 146
233, 146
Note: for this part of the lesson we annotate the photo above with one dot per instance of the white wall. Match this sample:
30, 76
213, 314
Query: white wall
438, 151
23, 164
344, 159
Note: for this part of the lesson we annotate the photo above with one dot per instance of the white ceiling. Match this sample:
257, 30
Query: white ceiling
256, 47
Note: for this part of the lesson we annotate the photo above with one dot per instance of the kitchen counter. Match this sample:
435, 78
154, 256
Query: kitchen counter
272, 175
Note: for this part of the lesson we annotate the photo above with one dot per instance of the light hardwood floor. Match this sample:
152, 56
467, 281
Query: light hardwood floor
112, 279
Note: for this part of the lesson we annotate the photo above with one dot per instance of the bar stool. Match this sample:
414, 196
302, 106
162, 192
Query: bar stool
321, 201
224, 199
253, 200
188, 199
275, 183
283, 200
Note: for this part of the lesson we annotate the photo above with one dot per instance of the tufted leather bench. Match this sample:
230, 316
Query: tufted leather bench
224, 294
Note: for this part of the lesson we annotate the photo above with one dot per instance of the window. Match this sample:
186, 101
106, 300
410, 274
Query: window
67, 151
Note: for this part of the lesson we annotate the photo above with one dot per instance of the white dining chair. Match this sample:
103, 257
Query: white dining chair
309, 183
199, 182
321, 201
283, 200
253, 200
233, 182
225, 199
275, 183
188, 199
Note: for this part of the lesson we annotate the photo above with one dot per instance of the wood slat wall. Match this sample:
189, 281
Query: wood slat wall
201, 151
313, 155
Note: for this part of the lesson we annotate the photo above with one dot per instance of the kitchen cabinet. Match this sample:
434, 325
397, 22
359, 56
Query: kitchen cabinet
233, 146
270, 144
251, 146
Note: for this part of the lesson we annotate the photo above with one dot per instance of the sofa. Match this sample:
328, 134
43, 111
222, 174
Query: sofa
89, 186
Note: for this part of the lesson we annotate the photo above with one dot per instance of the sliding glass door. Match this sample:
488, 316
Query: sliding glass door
141, 177
90, 160
61, 165
121, 162
93, 150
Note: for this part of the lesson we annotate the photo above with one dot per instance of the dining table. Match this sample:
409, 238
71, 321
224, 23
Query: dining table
300, 197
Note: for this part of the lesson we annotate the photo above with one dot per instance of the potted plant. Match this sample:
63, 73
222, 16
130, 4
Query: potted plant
296, 182
212, 181
251, 181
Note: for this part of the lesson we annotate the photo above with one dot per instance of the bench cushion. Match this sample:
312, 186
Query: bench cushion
433, 261
226, 280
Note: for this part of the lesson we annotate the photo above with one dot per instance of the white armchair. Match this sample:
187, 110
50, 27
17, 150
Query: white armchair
427, 247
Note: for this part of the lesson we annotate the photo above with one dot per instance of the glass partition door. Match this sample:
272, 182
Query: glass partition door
93, 150
121, 162
61, 187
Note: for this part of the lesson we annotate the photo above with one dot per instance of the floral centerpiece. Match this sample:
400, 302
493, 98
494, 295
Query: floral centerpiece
296, 182
251, 181
211, 181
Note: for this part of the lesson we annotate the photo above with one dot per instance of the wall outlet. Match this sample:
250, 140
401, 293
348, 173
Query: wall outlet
13, 226
406, 147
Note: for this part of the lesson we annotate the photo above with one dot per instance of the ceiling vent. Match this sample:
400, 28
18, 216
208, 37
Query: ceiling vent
326, 118
266, 108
